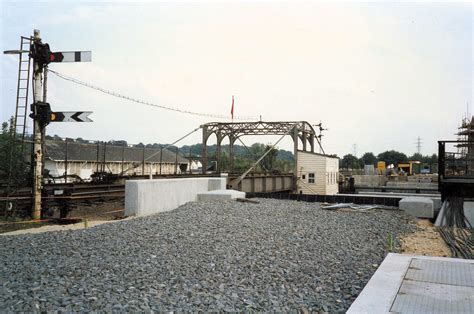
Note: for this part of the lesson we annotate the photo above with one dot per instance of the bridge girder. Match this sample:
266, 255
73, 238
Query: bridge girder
298, 130
258, 128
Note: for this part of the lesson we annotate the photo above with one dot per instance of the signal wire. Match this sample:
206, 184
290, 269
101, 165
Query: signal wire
115, 94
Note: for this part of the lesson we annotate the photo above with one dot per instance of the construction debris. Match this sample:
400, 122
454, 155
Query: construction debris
353, 207
459, 240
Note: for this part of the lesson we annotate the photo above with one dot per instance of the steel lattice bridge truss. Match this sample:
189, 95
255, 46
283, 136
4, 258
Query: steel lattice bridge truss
298, 130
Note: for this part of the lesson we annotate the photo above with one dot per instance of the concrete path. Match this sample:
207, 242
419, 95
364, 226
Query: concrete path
418, 284
52, 228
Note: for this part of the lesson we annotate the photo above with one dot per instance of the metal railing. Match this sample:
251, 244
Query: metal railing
456, 159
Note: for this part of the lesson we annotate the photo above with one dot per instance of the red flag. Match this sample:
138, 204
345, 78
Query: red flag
232, 109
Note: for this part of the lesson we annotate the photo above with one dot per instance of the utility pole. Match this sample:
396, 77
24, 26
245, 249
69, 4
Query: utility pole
37, 136
418, 145
43, 130
354, 149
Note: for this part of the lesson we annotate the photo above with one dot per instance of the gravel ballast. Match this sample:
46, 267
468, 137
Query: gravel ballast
218, 255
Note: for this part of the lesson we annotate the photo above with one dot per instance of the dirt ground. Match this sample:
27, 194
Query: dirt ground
98, 211
426, 241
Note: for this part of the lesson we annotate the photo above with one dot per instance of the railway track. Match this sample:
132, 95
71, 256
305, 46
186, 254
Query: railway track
66, 195
61, 191
62, 196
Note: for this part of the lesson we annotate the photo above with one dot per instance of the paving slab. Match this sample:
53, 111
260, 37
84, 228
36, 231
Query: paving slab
418, 284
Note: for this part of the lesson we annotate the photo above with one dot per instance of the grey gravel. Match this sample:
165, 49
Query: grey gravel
223, 256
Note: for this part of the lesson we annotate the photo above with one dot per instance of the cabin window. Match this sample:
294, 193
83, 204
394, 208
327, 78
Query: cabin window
304, 177
311, 177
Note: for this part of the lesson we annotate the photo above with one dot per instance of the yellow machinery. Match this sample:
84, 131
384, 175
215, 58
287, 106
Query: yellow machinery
409, 167
381, 167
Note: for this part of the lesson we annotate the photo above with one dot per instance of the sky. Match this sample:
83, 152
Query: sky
378, 75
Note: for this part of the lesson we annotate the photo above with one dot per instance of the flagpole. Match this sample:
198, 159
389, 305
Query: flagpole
232, 109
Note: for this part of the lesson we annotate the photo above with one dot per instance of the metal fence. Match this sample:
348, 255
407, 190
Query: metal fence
456, 159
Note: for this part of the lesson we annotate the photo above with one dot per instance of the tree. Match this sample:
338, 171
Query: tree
392, 157
257, 150
424, 159
368, 159
13, 166
433, 159
350, 162
116, 142
417, 157
269, 161
81, 140
172, 148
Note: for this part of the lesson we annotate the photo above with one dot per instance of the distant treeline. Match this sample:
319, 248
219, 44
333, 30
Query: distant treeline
390, 157
277, 160
283, 158
185, 150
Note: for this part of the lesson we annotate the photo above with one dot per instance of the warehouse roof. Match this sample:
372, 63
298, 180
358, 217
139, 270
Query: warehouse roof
56, 150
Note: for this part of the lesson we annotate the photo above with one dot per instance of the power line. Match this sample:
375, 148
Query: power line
115, 94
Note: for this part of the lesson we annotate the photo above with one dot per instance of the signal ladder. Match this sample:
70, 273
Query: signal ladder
21, 111
19, 123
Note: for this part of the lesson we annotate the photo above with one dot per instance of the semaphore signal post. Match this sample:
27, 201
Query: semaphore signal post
41, 112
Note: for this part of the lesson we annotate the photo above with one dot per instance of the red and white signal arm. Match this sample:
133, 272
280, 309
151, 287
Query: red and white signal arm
71, 56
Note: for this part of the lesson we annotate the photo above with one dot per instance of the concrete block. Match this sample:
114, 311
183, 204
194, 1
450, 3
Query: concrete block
369, 170
434, 197
217, 183
412, 185
421, 207
220, 195
145, 197
369, 180
423, 178
436, 202
469, 212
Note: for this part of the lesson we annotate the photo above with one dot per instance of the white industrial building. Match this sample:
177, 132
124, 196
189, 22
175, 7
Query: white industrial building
317, 173
83, 159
